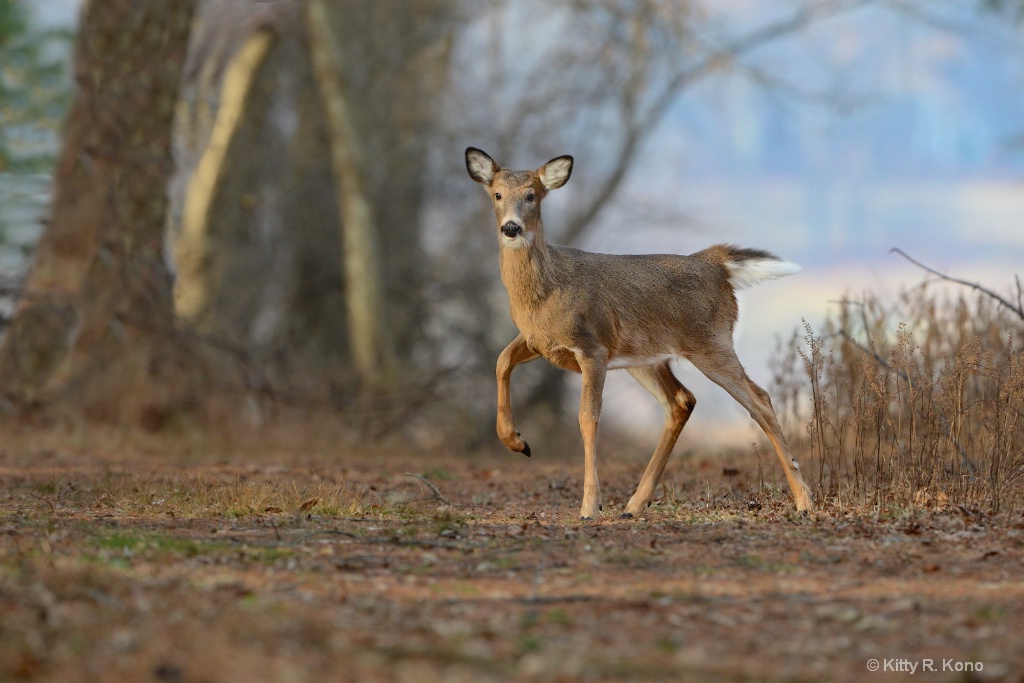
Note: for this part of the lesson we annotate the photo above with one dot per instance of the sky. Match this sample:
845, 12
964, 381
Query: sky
56, 12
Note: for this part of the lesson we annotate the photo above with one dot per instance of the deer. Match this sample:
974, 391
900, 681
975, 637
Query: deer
590, 313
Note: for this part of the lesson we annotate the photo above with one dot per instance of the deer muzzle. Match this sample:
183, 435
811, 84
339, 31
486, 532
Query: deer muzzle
511, 229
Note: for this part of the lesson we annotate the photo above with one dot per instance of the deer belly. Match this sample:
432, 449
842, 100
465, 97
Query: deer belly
638, 361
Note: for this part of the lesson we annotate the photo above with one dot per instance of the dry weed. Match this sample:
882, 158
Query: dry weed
191, 495
915, 404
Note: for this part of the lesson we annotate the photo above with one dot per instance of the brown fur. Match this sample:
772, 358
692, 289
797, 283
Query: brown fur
586, 312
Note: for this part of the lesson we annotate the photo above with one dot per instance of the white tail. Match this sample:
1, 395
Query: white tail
745, 273
589, 313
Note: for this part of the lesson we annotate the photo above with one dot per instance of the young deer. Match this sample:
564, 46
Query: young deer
591, 313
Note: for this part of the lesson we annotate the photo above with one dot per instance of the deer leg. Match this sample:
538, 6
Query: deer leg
518, 351
593, 371
678, 403
725, 370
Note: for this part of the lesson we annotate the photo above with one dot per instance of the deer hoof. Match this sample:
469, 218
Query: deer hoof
626, 515
526, 449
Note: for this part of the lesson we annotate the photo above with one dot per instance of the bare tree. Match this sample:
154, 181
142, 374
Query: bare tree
254, 214
93, 327
303, 245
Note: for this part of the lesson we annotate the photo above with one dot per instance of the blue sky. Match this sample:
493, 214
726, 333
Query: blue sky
922, 100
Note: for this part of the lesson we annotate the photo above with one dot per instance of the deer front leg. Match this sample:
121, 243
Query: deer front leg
518, 351
593, 371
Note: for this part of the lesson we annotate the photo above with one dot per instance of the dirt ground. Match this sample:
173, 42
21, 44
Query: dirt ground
128, 567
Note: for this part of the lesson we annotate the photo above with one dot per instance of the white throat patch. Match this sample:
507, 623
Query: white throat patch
521, 241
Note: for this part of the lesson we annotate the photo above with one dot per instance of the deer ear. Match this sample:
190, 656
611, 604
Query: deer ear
556, 172
480, 166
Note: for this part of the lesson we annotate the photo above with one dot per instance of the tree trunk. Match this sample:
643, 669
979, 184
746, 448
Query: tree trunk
369, 332
254, 210
92, 330
396, 58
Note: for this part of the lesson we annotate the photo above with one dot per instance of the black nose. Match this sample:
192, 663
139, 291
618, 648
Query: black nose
511, 229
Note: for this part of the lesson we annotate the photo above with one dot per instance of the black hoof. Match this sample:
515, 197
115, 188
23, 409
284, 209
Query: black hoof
586, 519
526, 449
626, 515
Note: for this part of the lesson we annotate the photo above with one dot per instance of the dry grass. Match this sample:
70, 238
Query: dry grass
917, 404
193, 495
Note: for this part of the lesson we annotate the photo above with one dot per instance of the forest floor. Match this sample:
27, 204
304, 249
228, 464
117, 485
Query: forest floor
137, 566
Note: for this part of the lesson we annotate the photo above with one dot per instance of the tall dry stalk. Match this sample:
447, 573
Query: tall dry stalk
915, 404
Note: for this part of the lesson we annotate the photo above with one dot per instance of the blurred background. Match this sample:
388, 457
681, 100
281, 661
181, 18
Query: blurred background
321, 228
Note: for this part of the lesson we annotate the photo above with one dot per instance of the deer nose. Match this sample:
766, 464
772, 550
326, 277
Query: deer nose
511, 229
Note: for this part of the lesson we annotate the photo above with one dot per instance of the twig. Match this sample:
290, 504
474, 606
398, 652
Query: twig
878, 359
965, 460
1020, 293
1018, 309
433, 488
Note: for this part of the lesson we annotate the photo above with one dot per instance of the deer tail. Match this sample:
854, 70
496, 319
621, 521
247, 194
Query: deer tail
746, 267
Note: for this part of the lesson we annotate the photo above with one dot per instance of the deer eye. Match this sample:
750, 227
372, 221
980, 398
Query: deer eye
497, 196
530, 197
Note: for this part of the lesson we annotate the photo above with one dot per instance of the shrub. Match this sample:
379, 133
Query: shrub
915, 404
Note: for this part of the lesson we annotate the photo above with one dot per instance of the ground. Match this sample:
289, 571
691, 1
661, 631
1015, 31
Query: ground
137, 566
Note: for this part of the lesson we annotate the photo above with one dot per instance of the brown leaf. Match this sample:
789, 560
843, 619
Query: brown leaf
306, 504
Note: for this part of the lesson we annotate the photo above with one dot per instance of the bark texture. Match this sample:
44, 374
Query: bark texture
307, 250
94, 328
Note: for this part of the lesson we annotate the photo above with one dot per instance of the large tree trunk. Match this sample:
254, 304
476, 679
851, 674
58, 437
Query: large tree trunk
93, 327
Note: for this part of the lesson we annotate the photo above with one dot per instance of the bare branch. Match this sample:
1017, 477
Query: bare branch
1018, 309
579, 223
433, 488
874, 354
1020, 293
643, 123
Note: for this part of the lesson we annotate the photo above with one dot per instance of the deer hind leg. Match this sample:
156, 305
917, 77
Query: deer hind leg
593, 371
725, 370
678, 403
518, 351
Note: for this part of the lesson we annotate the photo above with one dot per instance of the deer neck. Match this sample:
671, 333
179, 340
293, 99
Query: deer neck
527, 273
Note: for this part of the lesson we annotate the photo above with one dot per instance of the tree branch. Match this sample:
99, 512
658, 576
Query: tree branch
644, 123
437, 491
1018, 309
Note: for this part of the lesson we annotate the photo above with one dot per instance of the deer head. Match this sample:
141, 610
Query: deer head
516, 195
